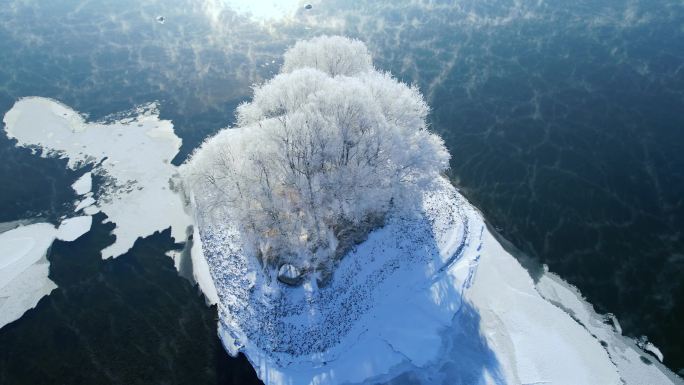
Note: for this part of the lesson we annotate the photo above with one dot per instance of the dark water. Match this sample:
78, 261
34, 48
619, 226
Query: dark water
565, 121
132, 320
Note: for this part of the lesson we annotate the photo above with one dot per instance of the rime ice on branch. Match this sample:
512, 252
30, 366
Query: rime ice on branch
319, 156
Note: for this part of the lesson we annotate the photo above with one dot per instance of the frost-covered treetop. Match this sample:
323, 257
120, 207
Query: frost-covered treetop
334, 55
318, 157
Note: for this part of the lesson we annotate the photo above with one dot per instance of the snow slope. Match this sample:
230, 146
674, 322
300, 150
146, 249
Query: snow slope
431, 297
131, 154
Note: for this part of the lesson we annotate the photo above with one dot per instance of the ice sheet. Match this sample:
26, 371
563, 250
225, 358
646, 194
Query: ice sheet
131, 154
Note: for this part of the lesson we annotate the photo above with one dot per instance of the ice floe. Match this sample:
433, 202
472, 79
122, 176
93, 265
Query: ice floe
84, 204
24, 267
132, 155
72, 228
84, 184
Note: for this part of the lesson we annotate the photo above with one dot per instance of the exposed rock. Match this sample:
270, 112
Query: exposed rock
289, 275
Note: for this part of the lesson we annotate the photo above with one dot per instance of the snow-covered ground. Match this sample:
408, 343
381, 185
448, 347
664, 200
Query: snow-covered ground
432, 297
131, 154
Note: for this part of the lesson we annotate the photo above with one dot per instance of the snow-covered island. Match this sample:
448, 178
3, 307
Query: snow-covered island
328, 267
319, 158
420, 291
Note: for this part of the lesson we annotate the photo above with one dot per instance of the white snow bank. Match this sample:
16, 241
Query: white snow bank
200, 270
434, 299
132, 154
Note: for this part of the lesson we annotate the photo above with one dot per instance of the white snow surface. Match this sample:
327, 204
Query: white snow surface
24, 267
432, 297
132, 154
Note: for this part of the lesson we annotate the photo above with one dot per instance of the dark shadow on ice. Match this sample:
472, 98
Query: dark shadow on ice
395, 285
465, 358
468, 359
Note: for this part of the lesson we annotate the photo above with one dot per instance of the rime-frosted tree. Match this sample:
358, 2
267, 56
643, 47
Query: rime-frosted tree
324, 148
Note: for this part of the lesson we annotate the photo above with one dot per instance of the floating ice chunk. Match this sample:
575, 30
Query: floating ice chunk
24, 292
72, 228
91, 210
87, 202
84, 184
24, 269
648, 346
